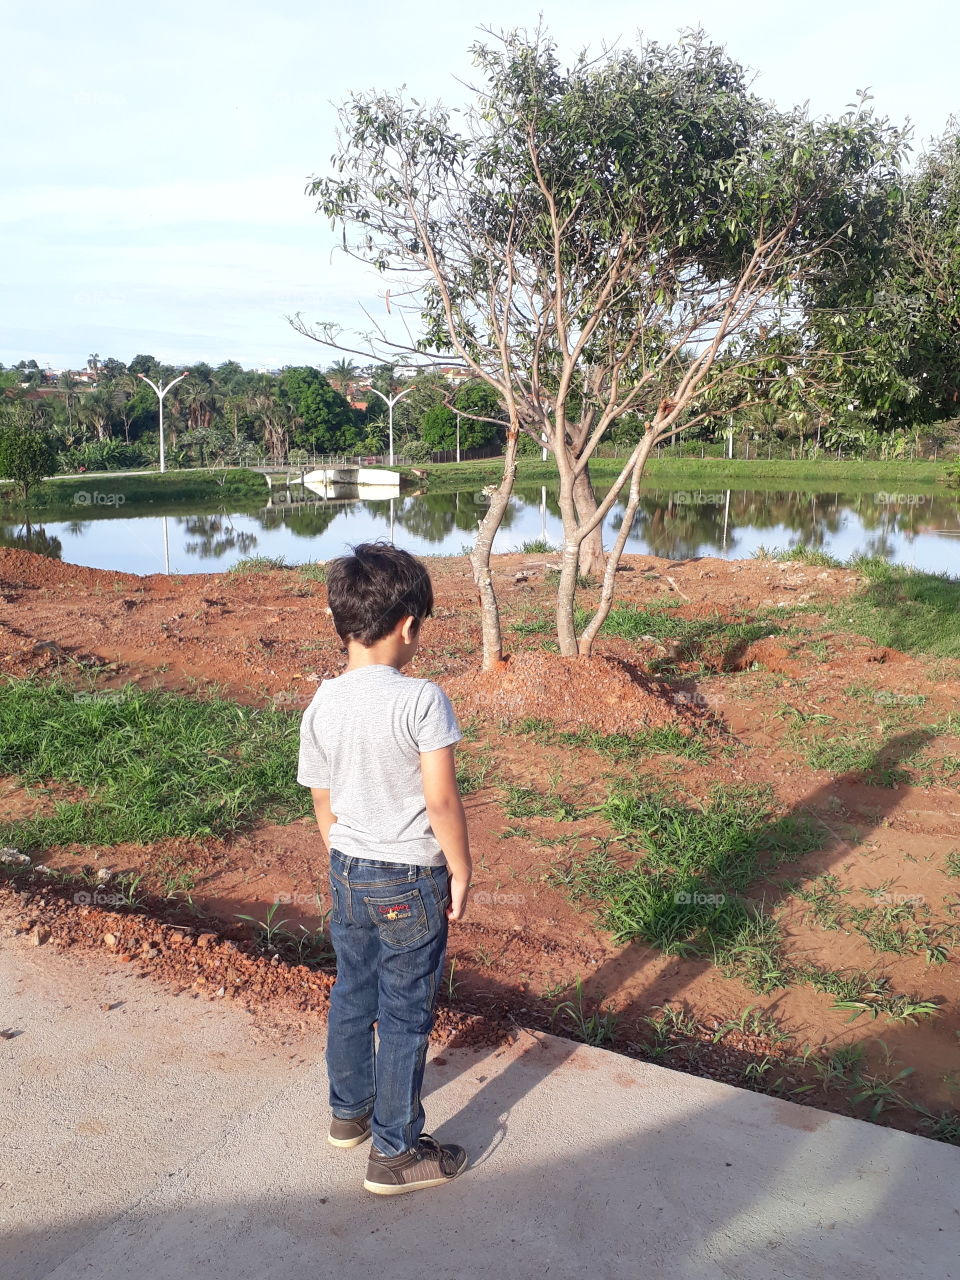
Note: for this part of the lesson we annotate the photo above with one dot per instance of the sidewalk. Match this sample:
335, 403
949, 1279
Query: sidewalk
167, 1137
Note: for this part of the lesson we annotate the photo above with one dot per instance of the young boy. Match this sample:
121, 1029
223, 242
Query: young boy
377, 752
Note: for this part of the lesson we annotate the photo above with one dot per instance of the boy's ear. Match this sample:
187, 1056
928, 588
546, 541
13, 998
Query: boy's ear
409, 628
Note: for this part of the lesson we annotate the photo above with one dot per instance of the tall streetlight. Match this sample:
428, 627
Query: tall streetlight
161, 392
390, 401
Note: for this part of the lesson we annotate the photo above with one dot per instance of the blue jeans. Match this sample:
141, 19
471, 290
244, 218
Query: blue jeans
388, 926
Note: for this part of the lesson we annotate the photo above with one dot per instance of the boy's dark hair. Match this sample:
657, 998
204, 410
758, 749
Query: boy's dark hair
371, 590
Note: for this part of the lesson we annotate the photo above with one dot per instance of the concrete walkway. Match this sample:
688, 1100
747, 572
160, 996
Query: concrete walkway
166, 1138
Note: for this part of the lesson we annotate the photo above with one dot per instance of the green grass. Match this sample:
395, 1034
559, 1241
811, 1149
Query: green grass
801, 554
668, 740
526, 802
903, 608
258, 564
154, 764
314, 572
473, 768
684, 893
690, 635
448, 477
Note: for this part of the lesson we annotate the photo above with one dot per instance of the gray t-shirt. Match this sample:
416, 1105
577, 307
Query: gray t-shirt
361, 738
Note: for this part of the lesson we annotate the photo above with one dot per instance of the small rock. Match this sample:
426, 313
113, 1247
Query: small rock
150, 953
275, 960
206, 939
103, 875
14, 857
109, 939
41, 935
221, 991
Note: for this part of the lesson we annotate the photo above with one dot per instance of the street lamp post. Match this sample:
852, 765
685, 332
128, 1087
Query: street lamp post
390, 401
161, 391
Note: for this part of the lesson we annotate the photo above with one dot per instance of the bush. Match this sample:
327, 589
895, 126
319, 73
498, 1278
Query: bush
101, 455
416, 451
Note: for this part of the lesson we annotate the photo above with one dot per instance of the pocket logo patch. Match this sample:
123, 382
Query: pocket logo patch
396, 911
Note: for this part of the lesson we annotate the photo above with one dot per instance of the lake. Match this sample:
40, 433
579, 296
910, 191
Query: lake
921, 530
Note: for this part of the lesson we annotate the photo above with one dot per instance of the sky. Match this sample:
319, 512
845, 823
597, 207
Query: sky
155, 156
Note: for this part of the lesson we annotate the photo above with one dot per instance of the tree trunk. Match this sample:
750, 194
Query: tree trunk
490, 630
589, 633
569, 567
593, 560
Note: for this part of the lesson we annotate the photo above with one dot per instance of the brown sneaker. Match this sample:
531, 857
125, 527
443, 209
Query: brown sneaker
349, 1133
429, 1166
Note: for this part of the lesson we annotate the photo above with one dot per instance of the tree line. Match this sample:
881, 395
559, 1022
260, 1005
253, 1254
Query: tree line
227, 415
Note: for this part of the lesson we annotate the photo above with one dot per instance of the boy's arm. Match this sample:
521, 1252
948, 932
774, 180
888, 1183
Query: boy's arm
325, 815
449, 823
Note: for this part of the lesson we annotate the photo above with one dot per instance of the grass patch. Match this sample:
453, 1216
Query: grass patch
155, 764
903, 608
258, 564
668, 740
684, 893
314, 572
802, 554
690, 636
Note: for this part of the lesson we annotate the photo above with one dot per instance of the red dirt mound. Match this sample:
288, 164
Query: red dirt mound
601, 693
19, 568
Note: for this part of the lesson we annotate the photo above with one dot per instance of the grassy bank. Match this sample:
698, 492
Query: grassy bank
912, 477
103, 494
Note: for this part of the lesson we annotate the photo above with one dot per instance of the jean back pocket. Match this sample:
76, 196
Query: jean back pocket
400, 918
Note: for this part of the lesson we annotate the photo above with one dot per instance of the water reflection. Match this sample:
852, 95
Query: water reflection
918, 529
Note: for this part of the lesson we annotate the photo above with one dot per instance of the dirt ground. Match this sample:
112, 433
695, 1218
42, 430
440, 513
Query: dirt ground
264, 636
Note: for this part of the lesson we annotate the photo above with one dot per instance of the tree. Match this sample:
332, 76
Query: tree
111, 369
327, 423
911, 333
602, 241
149, 366
28, 453
477, 408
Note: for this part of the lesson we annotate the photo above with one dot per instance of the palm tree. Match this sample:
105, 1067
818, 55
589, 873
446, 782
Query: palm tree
68, 385
96, 411
93, 362
122, 390
341, 373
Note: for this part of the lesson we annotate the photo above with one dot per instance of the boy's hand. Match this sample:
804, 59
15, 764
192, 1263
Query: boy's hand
459, 889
